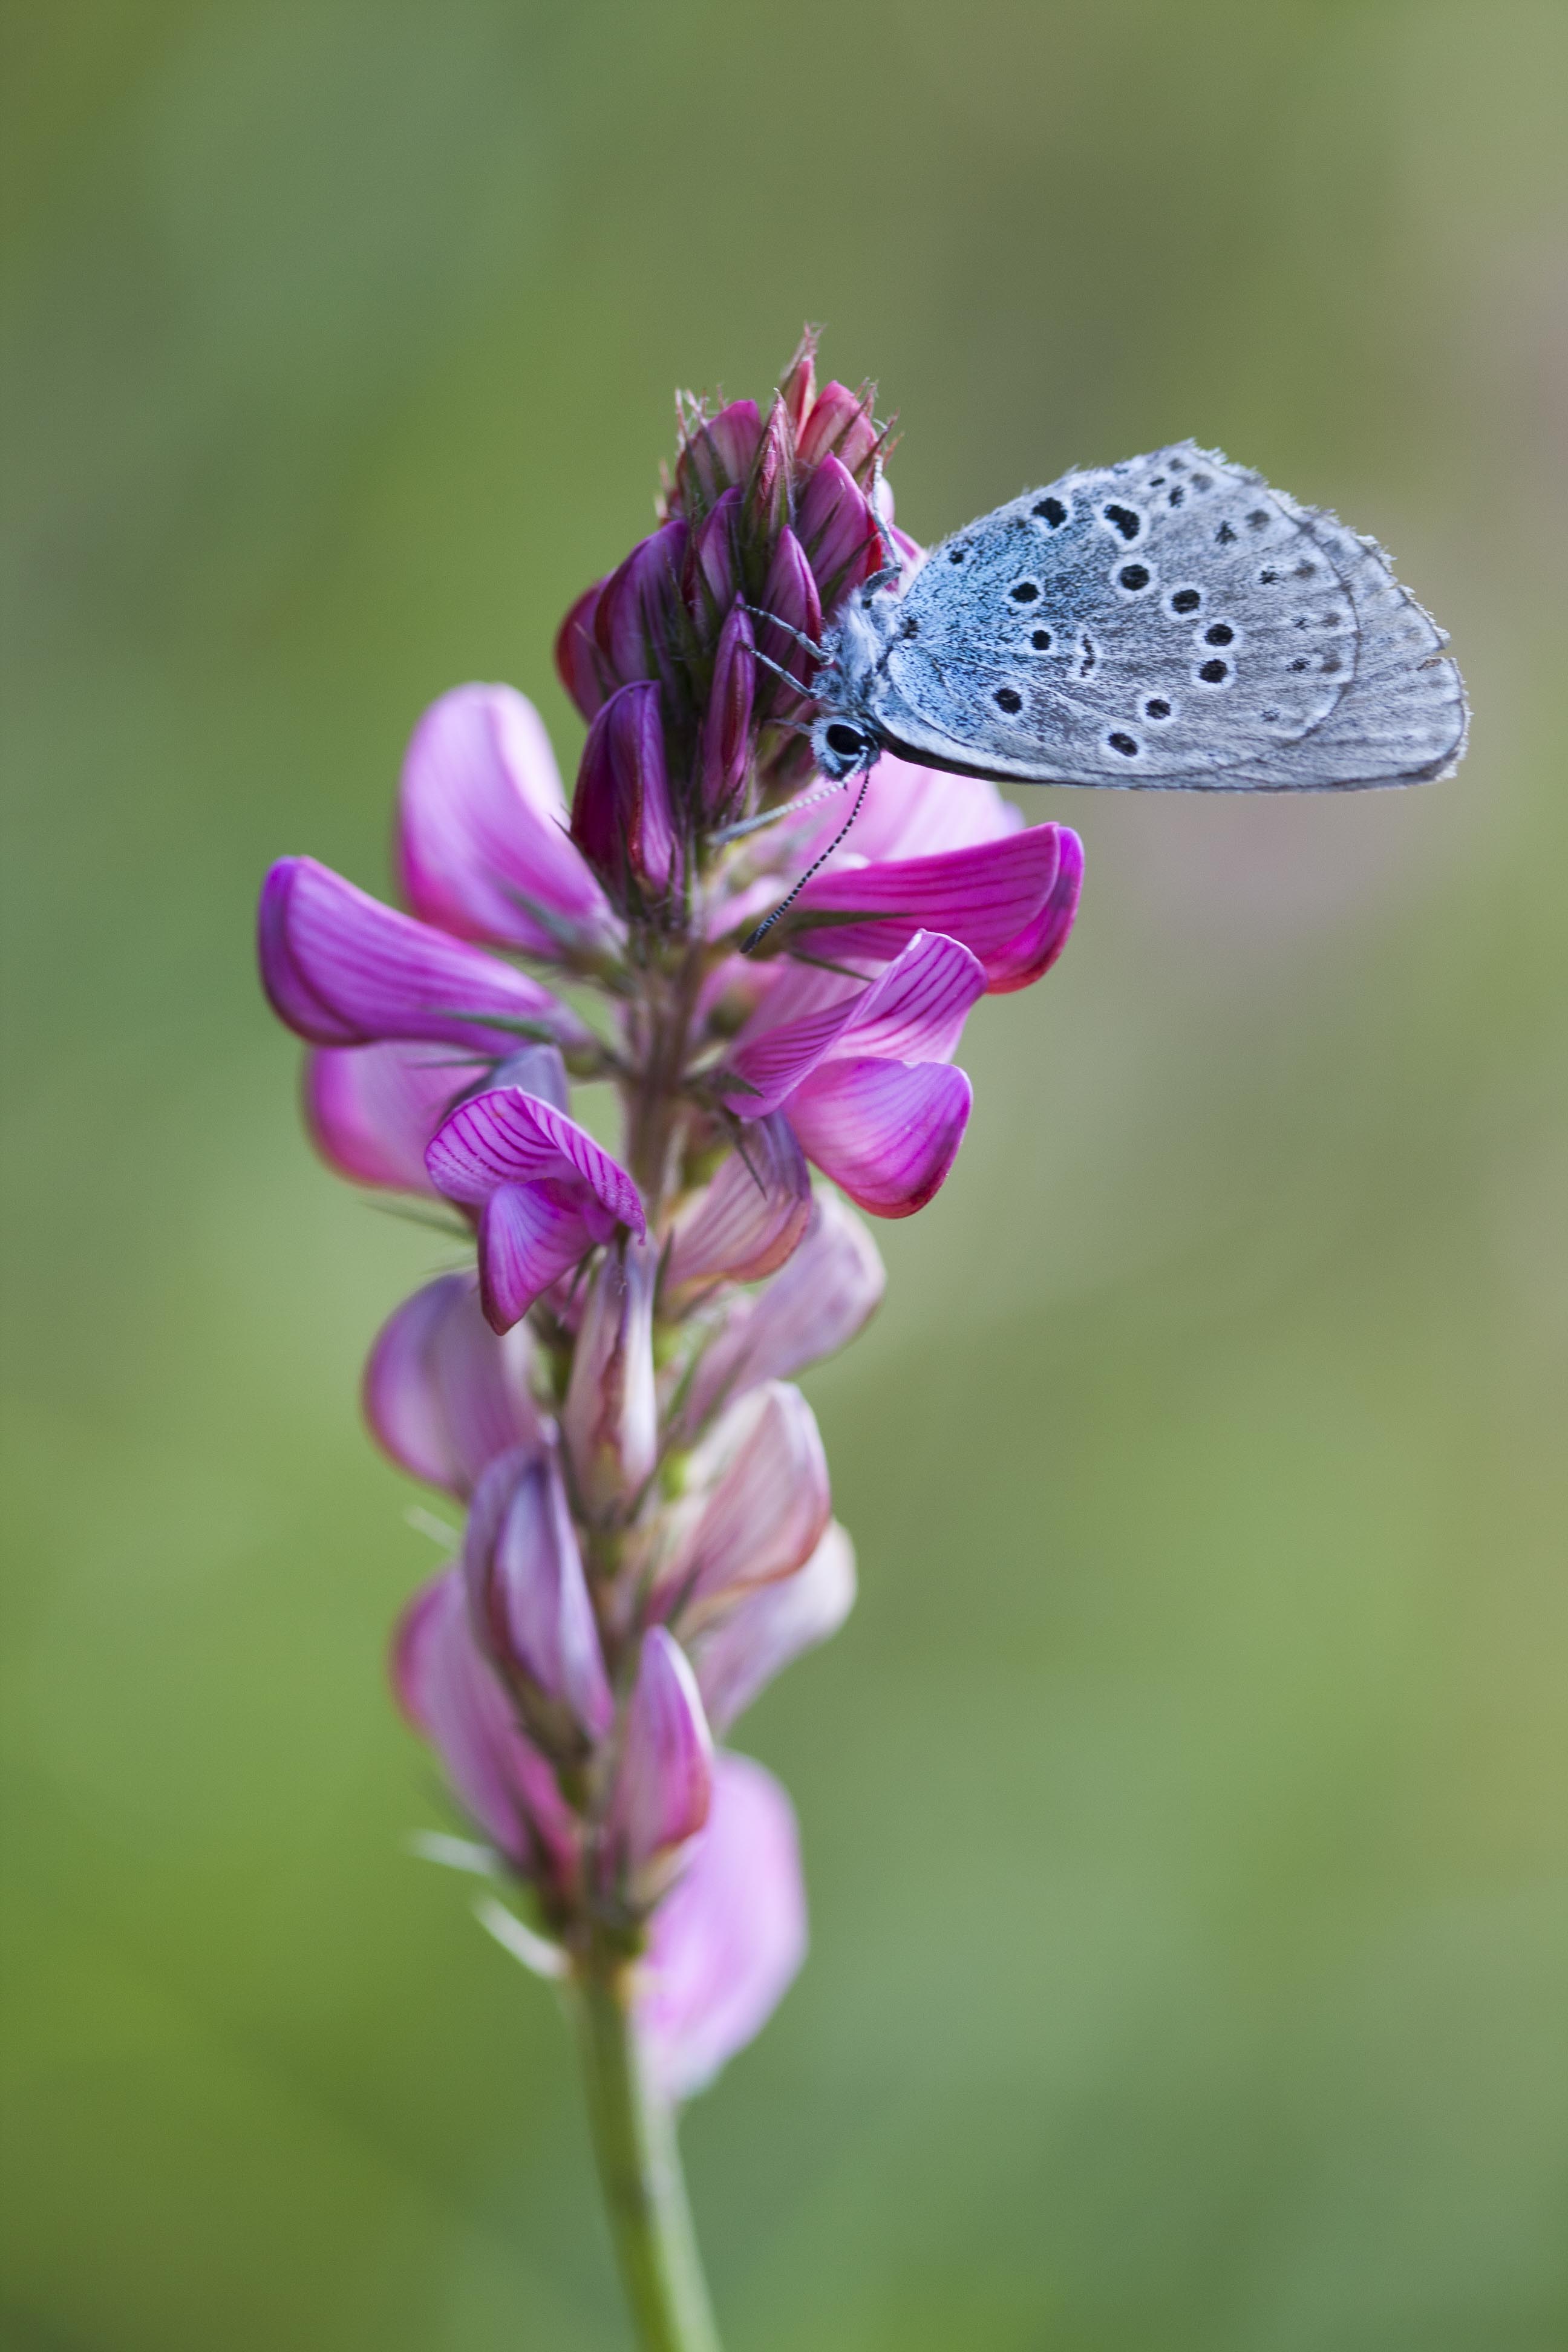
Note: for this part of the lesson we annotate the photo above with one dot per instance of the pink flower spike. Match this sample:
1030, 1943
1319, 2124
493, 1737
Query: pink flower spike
609, 1422
887, 1132
728, 1940
751, 1642
372, 1110
751, 1216
343, 970
528, 1598
442, 1394
621, 815
546, 1194
838, 531
758, 1505
664, 1775
826, 1293
991, 897
482, 848
452, 1697
726, 748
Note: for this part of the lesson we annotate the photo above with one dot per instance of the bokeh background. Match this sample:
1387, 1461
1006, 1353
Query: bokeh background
1186, 1804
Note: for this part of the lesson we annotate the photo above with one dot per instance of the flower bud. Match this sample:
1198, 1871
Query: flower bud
717, 456
663, 1777
799, 387
825, 1295
768, 488
639, 620
609, 1422
838, 531
789, 595
716, 583
758, 1505
726, 745
578, 663
840, 425
622, 820
528, 1598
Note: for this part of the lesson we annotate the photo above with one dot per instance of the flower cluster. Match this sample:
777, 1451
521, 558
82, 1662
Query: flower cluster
606, 1388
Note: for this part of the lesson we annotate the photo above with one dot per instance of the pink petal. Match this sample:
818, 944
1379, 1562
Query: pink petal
822, 1298
530, 1234
452, 1697
528, 1598
664, 1774
482, 828
886, 1131
507, 1136
789, 594
915, 1010
373, 1109
749, 1217
609, 1422
729, 1938
759, 1503
578, 662
736, 1657
1031, 955
839, 425
990, 898
911, 811
442, 1394
838, 531
718, 456
343, 970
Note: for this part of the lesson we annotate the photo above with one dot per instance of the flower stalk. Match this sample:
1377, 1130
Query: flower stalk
606, 1384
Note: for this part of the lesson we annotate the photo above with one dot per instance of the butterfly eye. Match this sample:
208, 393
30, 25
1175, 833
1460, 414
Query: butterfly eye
846, 741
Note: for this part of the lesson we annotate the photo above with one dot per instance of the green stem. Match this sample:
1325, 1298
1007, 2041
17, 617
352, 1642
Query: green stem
639, 2171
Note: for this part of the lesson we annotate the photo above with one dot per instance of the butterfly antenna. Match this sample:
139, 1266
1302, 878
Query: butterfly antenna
751, 942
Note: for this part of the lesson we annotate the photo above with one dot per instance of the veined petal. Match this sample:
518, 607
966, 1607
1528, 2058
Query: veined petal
823, 1297
988, 898
442, 1394
482, 845
508, 1137
728, 1940
1031, 955
886, 1132
915, 1010
751, 1216
528, 1601
609, 1422
736, 1657
373, 1109
452, 1697
343, 970
530, 1234
759, 1504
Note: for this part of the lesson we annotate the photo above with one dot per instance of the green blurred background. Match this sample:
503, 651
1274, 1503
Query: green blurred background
1186, 1804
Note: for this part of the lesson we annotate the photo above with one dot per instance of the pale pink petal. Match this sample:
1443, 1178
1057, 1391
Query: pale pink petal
609, 1422
886, 1131
759, 1637
445, 1395
527, 1599
729, 1938
758, 1504
372, 1110
452, 1697
812, 1307
911, 812
664, 1775
751, 1216
482, 844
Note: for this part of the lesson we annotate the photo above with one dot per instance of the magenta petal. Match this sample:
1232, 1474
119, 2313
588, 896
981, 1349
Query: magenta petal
728, 1940
759, 1504
507, 1136
442, 1394
912, 812
577, 658
528, 1598
664, 1773
530, 1234
988, 898
482, 828
759, 1637
609, 1422
452, 1697
751, 1216
838, 531
343, 970
772, 1057
886, 1132
789, 594
816, 1305
373, 1109
915, 1010
1031, 955
839, 423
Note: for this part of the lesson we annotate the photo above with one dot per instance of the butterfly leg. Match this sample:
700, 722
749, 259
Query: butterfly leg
750, 944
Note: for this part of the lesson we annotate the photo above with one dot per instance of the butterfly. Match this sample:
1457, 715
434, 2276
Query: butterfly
1170, 622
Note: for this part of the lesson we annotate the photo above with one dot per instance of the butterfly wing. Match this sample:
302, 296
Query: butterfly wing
1170, 622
